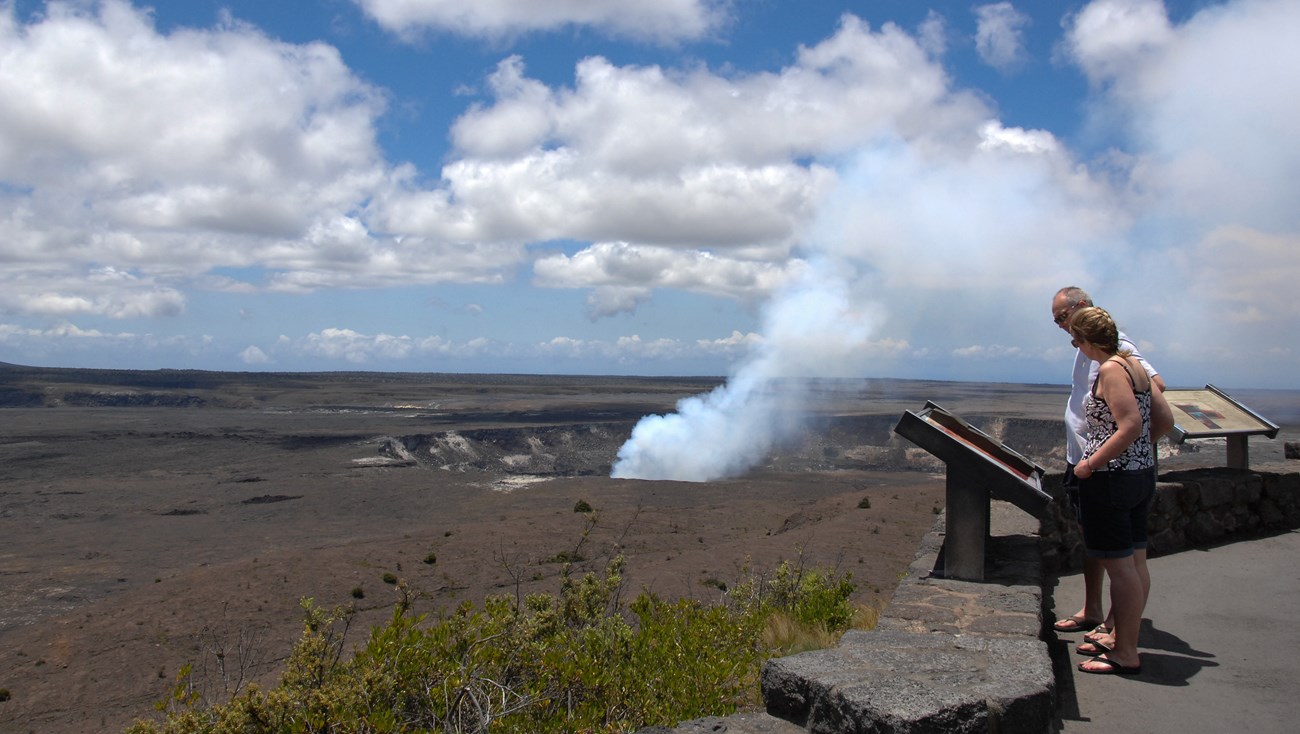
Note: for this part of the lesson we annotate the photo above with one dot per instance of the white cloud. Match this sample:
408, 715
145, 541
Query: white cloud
205, 149
839, 94
254, 356
611, 300
737, 344
1107, 37
1214, 123
167, 155
709, 165
634, 269
989, 352
66, 340
662, 20
190, 130
932, 34
632, 348
923, 225
357, 348
105, 291
556, 194
1223, 270
379, 349
999, 35
1206, 107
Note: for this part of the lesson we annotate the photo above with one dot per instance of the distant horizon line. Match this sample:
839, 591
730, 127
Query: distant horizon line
721, 379
715, 378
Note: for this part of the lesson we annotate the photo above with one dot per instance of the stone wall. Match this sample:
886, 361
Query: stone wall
1193, 508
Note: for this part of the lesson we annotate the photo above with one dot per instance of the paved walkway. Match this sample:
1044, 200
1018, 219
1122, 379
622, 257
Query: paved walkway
1220, 646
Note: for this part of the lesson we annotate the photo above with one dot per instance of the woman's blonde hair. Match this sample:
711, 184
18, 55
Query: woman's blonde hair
1095, 326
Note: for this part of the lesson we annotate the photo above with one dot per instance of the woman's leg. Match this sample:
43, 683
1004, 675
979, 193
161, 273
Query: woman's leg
1144, 573
1126, 602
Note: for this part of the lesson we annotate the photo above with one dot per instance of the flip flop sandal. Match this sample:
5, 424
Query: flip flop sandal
1112, 668
1100, 630
1092, 649
1075, 624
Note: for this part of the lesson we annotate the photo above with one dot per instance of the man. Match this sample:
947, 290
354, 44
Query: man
1090, 619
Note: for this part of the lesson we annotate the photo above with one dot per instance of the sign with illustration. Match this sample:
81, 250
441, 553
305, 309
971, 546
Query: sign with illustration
1211, 413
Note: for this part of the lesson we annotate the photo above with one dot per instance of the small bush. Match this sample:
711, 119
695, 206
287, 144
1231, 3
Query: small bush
864, 503
4, 694
358, 592
580, 660
431, 559
804, 609
390, 578
582, 507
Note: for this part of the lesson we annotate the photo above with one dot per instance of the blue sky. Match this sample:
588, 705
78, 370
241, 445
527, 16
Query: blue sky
892, 188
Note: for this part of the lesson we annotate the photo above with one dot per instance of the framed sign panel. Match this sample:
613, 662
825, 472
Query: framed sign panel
1009, 475
1212, 413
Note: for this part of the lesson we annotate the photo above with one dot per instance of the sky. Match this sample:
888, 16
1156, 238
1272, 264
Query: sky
887, 188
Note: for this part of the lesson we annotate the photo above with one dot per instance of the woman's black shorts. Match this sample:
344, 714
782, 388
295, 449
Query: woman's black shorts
1113, 508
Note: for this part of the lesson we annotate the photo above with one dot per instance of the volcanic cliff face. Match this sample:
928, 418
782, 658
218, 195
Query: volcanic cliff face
860, 442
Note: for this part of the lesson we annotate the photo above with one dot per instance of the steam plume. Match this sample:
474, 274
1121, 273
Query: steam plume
811, 330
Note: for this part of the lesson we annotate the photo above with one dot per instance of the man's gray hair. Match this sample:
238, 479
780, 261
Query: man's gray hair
1074, 296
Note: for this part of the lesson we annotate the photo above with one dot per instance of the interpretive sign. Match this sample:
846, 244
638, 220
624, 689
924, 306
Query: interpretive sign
1211, 413
979, 467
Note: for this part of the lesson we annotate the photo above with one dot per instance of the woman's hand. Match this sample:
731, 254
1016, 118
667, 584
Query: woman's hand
1083, 469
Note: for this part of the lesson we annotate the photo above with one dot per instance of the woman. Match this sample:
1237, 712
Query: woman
1117, 483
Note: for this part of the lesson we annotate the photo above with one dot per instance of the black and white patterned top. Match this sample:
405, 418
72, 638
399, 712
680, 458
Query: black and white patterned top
1102, 425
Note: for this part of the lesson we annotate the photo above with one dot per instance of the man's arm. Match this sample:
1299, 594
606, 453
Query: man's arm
1156, 380
1162, 417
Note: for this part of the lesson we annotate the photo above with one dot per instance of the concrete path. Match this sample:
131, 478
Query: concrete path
1220, 646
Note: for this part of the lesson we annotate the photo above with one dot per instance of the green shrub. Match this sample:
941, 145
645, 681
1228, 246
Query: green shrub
864, 503
582, 506
579, 660
804, 608
390, 578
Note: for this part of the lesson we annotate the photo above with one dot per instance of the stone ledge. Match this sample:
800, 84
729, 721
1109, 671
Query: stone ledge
885, 681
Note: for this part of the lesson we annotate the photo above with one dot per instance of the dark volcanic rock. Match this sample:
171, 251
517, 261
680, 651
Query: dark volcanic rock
131, 400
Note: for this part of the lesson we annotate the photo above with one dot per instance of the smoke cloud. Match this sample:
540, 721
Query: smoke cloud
812, 330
